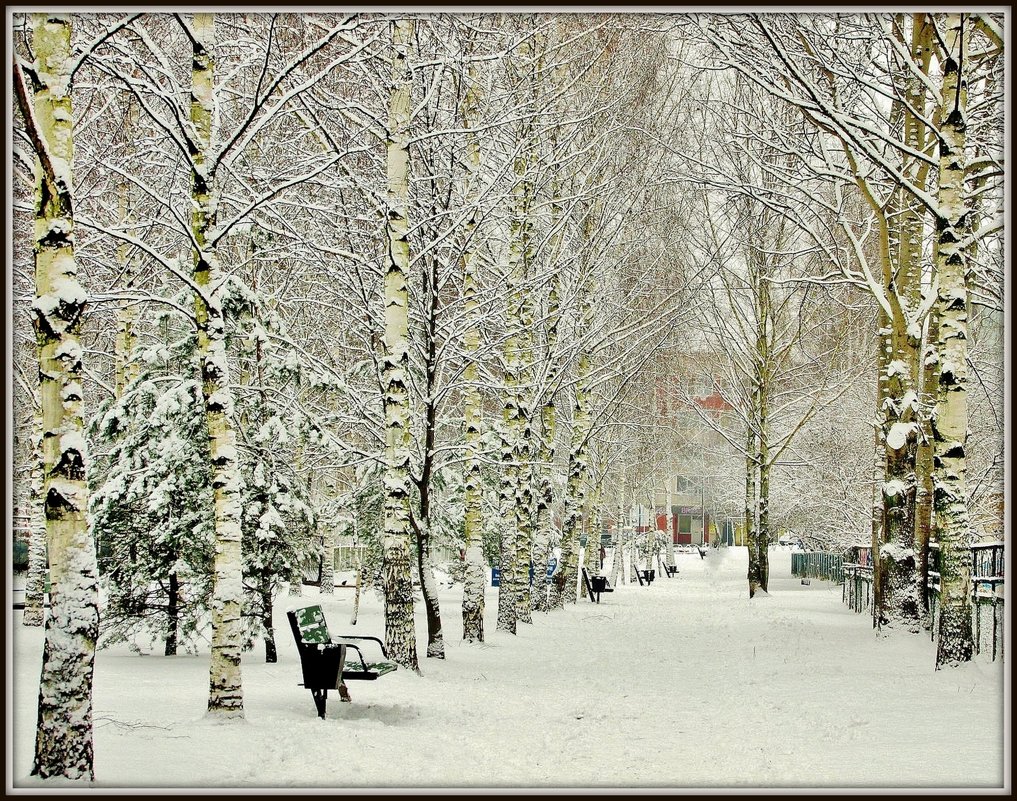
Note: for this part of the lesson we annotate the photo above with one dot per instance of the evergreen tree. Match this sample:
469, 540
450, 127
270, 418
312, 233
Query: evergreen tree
278, 523
151, 501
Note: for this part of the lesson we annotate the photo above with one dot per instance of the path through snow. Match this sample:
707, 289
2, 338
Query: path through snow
682, 684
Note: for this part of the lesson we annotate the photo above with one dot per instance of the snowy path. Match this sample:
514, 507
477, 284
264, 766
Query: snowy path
684, 684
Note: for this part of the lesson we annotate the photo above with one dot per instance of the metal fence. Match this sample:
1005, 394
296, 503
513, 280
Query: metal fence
987, 605
987, 585
818, 565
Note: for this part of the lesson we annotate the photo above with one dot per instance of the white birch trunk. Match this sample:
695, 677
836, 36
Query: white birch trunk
578, 464
35, 585
524, 449
524, 525
764, 361
510, 586
593, 535
545, 498
545, 462
575, 491
474, 576
509, 550
631, 558
883, 353
126, 370
475, 573
328, 562
751, 491
226, 698
63, 743
896, 602
617, 560
911, 238
950, 419
400, 637
668, 527
358, 585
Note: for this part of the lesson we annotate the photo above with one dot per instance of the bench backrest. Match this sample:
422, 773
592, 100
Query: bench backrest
310, 622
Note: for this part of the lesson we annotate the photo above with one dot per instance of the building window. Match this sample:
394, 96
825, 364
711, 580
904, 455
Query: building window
683, 484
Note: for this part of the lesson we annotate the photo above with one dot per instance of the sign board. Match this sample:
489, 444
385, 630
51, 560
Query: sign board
495, 576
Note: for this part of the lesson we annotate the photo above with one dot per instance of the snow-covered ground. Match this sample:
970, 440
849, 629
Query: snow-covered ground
682, 684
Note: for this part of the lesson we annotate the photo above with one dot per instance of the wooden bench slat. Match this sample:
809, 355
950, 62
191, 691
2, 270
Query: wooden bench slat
311, 622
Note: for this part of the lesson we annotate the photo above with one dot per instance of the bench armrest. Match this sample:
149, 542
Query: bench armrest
367, 670
343, 639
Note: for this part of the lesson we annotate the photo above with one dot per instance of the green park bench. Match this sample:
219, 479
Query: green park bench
327, 662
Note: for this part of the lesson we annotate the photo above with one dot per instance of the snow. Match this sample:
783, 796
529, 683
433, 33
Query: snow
215, 360
74, 441
898, 436
61, 167
910, 401
225, 453
896, 367
893, 488
685, 683
69, 349
73, 493
71, 392
895, 552
273, 431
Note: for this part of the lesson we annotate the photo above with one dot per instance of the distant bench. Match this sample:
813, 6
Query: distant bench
671, 570
595, 585
646, 576
323, 659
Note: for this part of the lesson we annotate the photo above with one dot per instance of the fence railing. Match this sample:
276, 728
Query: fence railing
987, 585
987, 605
818, 565
857, 591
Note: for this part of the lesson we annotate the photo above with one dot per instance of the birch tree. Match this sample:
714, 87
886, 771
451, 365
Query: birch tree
220, 202
63, 743
400, 639
949, 353
801, 62
474, 576
513, 589
225, 690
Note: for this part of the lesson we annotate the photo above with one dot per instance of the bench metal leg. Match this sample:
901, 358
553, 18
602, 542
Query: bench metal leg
320, 696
